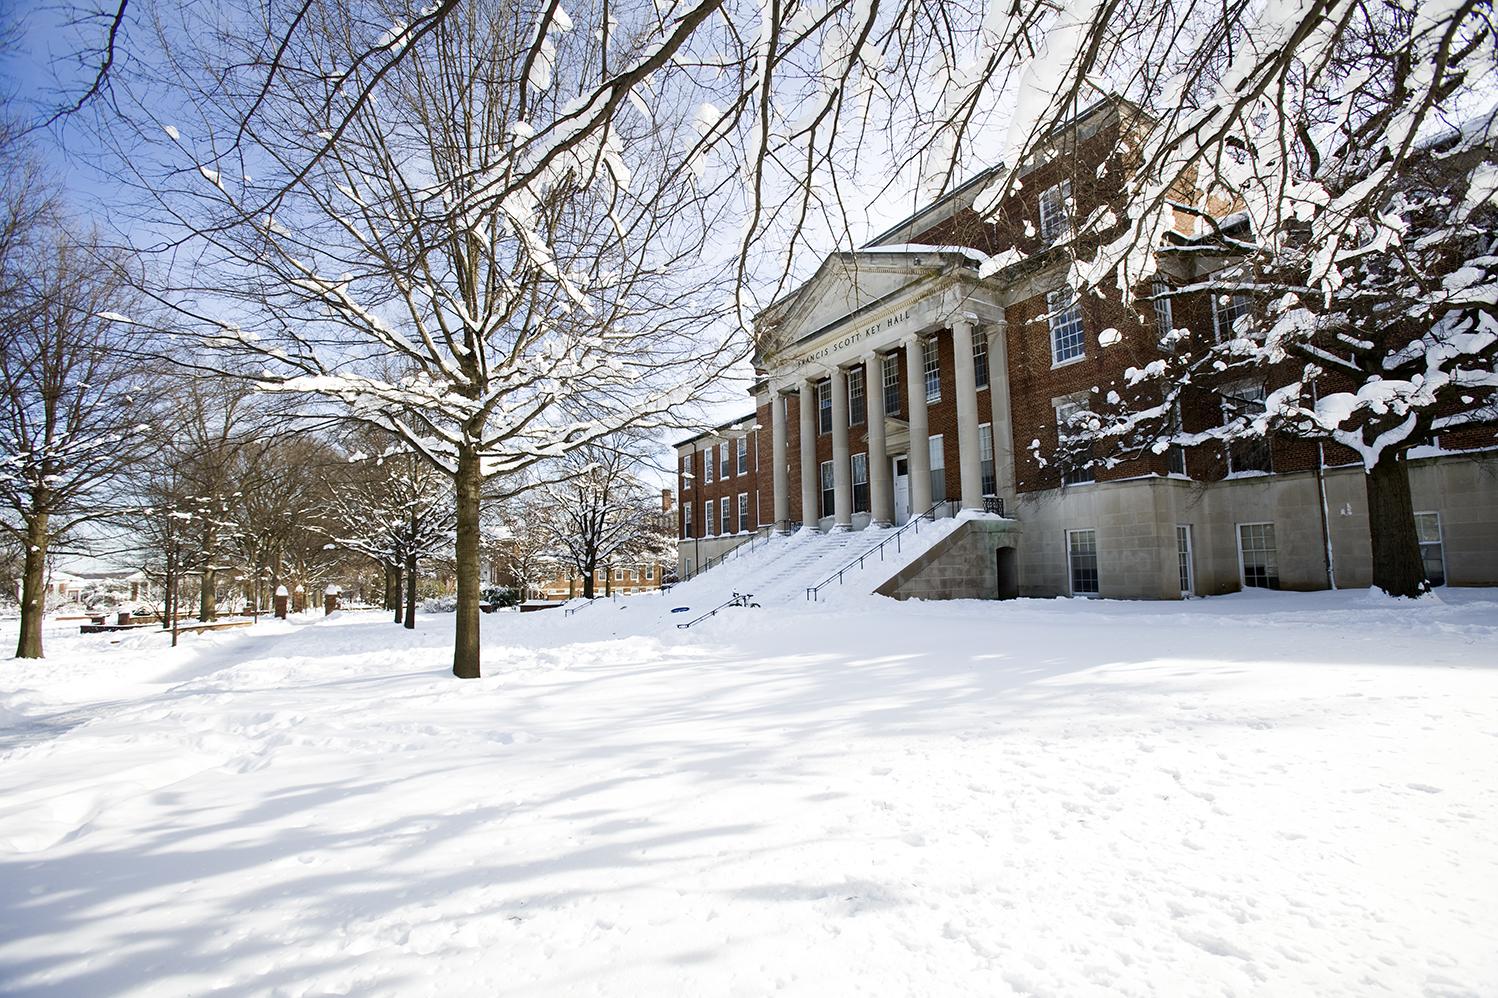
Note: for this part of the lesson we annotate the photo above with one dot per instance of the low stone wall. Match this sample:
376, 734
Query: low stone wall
962, 565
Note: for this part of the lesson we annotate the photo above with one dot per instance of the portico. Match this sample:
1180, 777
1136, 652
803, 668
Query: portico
879, 352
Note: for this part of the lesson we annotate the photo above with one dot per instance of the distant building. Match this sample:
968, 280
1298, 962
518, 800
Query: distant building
897, 379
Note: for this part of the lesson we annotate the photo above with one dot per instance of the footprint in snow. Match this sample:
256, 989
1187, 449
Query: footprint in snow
1424, 788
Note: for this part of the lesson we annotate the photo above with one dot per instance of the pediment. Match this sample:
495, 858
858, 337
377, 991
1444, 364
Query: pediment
845, 283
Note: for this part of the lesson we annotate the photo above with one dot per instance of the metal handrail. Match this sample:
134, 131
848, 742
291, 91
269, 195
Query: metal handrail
738, 599
570, 610
761, 533
913, 525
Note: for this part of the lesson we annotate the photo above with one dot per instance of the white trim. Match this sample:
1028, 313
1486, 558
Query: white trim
1070, 577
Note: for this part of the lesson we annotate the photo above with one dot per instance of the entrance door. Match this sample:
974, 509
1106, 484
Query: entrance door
902, 489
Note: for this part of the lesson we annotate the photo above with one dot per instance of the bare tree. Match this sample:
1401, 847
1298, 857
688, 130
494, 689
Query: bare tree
490, 335
69, 421
599, 510
397, 510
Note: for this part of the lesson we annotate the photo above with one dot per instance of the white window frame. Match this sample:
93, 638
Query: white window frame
931, 368
981, 373
827, 486
743, 512
725, 513
1164, 313
824, 407
686, 521
1185, 559
1439, 544
1239, 306
890, 381
1097, 568
985, 456
743, 454
707, 518
725, 467
1244, 393
858, 397
686, 473
1175, 453
1067, 330
937, 456
855, 461
1055, 213
707, 466
1242, 567
1064, 408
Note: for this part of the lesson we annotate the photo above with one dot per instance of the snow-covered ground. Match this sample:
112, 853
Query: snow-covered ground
1264, 794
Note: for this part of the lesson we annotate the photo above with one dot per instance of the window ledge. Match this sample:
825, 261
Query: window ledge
1069, 361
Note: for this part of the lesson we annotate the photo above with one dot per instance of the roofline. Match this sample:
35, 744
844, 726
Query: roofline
752, 414
927, 209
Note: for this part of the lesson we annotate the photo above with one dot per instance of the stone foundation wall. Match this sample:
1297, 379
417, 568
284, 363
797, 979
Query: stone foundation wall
962, 565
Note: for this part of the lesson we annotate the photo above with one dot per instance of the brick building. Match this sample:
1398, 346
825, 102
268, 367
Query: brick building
898, 378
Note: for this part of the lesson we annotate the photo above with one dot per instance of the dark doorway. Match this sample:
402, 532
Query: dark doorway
1008, 574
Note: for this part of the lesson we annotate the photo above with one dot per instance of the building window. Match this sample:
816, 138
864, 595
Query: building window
1258, 563
860, 483
618, 575
1252, 452
743, 511
1055, 212
892, 385
743, 446
686, 520
686, 473
1184, 567
980, 360
985, 459
1175, 457
707, 467
938, 453
828, 492
1076, 466
1081, 562
1065, 317
723, 465
707, 518
932, 358
1164, 316
650, 573
824, 407
724, 514
1432, 553
857, 409
1227, 310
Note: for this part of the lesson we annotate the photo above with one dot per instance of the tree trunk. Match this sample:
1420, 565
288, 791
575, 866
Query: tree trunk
410, 592
1397, 568
393, 590
466, 640
33, 589
207, 597
588, 569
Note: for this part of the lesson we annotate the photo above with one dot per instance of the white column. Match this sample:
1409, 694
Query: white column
969, 460
781, 475
810, 486
920, 444
1003, 429
881, 483
842, 477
